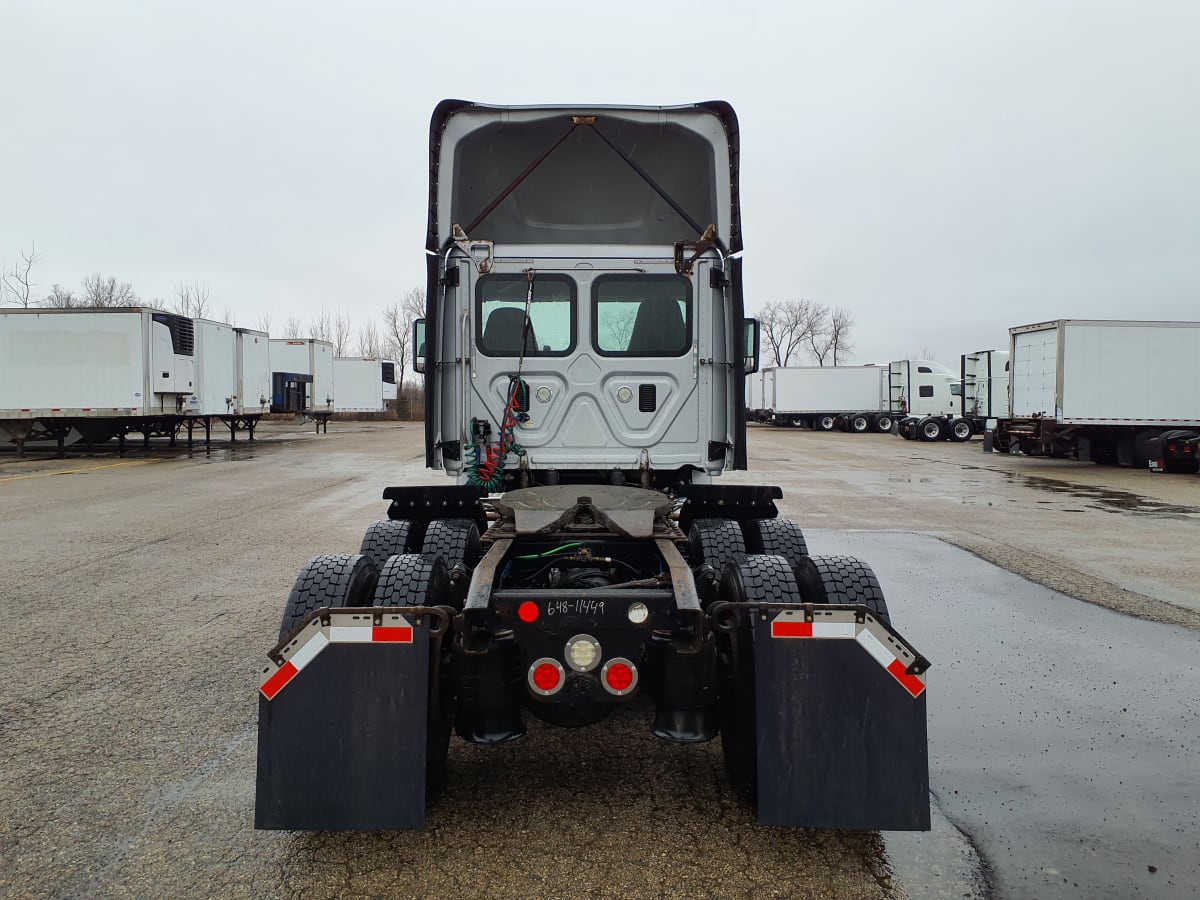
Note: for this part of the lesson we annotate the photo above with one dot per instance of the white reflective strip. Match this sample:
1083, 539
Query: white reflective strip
350, 634
882, 654
304, 655
833, 629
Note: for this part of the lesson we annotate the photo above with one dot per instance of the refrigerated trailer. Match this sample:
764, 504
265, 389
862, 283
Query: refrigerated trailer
302, 378
824, 397
364, 384
99, 372
233, 379
1113, 392
584, 357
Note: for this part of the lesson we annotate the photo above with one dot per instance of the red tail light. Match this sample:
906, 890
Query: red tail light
546, 677
619, 676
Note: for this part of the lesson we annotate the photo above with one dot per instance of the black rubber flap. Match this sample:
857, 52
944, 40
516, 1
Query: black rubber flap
841, 743
342, 746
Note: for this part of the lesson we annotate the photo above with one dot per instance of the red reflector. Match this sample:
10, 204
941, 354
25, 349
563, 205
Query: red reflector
789, 629
911, 683
279, 680
528, 611
619, 676
546, 677
392, 635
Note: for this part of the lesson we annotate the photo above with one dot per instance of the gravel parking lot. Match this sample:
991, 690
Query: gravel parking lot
143, 593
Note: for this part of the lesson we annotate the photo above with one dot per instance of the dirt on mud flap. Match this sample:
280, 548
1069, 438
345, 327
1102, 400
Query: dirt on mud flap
345, 711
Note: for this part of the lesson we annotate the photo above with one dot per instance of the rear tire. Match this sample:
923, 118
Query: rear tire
860, 424
824, 423
412, 579
385, 539
929, 429
454, 540
961, 430
715, 542
779, 537
752, 578
841, 579
883, 424
334, 580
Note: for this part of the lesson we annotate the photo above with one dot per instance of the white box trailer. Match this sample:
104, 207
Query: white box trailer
985, 385
364, 384
824, 396
754, 394
253, 372
1114, 392
302, 376
215, 392
95, 363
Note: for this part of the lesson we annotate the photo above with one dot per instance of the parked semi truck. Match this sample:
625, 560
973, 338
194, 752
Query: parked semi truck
1113, 392
585, 361
364, 384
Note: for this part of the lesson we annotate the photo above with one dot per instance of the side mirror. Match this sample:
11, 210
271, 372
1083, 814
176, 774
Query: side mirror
418, 343
750, 351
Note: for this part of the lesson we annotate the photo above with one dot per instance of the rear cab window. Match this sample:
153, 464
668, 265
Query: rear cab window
500, 315
642, 315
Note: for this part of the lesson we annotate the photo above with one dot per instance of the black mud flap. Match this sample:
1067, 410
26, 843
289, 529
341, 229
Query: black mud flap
342, 717
841, 731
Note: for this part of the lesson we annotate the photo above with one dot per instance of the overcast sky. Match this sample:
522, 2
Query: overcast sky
943, 170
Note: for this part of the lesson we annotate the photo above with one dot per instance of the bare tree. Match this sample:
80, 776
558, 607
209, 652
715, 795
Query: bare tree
397, 332
192, 300
369, 342
99, 291
16, 283
292, 328
840, 328
322, 326
341, 332
60, 298
263, 322
787, 326
227, 316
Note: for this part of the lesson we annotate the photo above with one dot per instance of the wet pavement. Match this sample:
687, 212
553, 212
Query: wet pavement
1062, 737
142, 594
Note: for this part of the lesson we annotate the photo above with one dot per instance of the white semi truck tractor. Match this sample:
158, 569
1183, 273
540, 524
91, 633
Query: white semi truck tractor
585, 354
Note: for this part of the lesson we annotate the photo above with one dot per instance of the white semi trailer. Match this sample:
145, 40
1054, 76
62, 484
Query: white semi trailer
824, 397
95, 373
364, 384
253, 372
302, 377
1113, 392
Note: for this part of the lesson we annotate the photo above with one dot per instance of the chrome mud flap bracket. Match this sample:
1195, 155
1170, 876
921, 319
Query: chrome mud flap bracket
342, 722
841, 721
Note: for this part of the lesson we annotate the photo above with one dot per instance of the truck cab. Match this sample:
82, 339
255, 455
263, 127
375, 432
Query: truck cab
584, 295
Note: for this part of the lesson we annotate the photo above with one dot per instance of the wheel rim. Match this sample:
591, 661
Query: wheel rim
962, 430
932, 430
861, 423
826, 423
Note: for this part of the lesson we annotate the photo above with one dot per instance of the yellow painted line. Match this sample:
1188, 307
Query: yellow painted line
130, 462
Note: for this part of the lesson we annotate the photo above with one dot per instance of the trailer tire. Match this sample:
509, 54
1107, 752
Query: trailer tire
860, 424
930, 429
779, 537
961, 430
841, 579
412, 579
454, 540
883, 424
385, 539
751, 578
334, 580
824, 423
